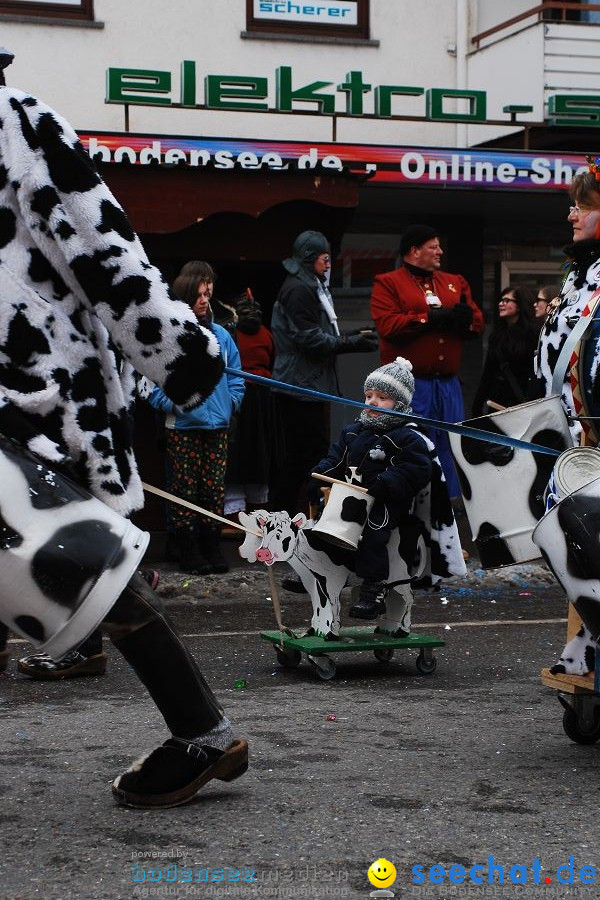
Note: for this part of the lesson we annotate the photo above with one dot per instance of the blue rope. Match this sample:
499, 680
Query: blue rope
465, 430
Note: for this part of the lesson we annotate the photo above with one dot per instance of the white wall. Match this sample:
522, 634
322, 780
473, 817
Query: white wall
492, 12
512, 71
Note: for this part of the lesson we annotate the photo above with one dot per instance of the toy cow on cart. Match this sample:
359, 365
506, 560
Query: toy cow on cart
324, 569
429, 547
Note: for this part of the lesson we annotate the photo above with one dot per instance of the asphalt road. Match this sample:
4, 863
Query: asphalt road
450, 769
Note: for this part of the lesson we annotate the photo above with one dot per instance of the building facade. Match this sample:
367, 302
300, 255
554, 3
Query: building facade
225, 127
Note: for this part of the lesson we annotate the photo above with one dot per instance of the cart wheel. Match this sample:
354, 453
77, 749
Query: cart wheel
288, 658
574, 731
426, 665
323, 665
383, 654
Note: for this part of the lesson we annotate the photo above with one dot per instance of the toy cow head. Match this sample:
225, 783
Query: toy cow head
279, 535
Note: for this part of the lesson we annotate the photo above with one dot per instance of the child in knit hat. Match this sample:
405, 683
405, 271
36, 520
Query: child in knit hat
392, 460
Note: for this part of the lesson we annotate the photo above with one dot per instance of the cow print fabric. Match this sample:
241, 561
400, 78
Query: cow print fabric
583, 279
82, 310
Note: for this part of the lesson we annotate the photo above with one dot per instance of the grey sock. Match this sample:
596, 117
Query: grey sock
219, 737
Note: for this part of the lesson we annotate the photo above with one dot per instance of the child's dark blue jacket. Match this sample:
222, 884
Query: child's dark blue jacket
397, 459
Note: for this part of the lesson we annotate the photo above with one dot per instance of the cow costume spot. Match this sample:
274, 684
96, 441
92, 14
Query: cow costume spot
354, 509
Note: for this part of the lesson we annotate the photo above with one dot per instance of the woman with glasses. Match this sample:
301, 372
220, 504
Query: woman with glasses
583, 277
558, 340
544, 296
508, 366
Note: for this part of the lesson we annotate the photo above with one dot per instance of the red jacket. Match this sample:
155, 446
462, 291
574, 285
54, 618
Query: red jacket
257, 351
400, 313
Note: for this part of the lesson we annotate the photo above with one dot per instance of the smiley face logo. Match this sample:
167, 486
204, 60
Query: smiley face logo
381, 873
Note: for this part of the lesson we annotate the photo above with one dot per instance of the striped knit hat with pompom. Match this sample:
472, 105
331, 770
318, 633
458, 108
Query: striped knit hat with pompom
394, 379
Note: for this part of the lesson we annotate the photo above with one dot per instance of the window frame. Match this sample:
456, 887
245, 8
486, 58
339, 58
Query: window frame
83, 10
359, 32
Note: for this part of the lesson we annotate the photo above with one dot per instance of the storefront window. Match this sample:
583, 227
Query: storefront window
327, 18
65, 9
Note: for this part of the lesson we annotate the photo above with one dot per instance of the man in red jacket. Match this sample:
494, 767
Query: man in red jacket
426, 315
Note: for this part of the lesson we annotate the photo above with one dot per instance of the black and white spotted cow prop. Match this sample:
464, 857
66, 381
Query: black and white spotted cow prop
64, 556
431, 549
324, 569
569, 538
503, 489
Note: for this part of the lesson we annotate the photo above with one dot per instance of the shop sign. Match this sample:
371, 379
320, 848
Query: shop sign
324, 13
250, 93
423, 166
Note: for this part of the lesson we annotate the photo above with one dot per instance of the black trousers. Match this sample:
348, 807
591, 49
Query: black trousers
306, 438
140, 629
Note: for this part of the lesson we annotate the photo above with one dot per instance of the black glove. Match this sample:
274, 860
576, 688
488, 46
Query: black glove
358, 343
455, 318
536, 389
379, 489
462, 317
440, 318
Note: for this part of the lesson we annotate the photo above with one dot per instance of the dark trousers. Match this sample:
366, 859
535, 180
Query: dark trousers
306, 436
143, 633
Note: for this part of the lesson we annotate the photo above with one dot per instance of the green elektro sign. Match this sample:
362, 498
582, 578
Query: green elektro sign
249, 93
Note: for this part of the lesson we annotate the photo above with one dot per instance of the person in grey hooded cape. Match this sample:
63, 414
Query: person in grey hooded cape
307, 343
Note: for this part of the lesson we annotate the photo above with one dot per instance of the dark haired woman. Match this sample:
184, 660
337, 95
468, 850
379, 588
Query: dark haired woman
508, 366
196, 439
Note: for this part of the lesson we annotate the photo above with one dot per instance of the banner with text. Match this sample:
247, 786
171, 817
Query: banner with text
385, 164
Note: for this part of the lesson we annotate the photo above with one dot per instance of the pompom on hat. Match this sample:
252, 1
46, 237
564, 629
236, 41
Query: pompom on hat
394, 379
416, 236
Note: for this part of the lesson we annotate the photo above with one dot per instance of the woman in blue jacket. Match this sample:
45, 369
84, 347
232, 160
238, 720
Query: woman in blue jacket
196, 440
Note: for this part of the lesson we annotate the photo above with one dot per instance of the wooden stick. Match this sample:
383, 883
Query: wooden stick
198, 509
276, 604
356, 487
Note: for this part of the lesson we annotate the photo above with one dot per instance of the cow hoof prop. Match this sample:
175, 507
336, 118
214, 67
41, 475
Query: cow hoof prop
398, 633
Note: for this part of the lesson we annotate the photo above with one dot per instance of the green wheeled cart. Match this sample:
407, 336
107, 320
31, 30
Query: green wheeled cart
289, 648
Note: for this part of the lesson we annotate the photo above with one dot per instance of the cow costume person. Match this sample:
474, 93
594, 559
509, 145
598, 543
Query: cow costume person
552, 365
81, 310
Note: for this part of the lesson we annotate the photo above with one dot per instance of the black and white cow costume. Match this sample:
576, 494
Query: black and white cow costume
81, 308
562, 315
430, 550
